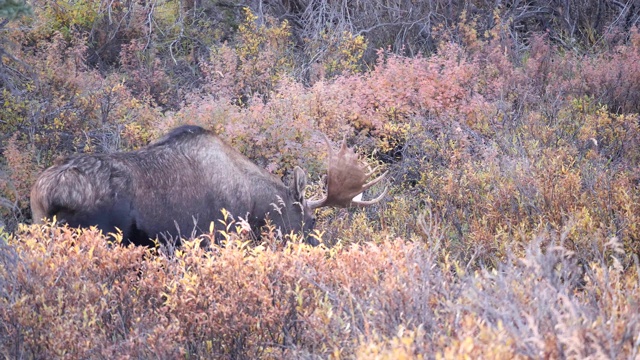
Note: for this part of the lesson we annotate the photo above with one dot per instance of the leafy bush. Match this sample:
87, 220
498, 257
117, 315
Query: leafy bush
68, 293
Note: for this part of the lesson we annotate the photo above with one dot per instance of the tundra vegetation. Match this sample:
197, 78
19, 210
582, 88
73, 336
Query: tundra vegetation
510, 132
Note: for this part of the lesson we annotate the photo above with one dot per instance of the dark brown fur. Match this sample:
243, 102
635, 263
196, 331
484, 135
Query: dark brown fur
175, 186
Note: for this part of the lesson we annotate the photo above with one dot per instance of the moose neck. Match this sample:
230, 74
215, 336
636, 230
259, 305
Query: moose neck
271, 199
261, 192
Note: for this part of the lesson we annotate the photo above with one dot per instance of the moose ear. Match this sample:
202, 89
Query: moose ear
299, 183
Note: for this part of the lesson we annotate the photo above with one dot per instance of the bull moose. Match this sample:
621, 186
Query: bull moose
180, 183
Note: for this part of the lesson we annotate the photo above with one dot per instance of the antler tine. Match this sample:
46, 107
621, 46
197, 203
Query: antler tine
328, 142
343, 147
372, 171
363, 203
374, 181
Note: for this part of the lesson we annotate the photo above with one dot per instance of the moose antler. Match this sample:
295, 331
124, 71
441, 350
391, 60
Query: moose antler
346, 178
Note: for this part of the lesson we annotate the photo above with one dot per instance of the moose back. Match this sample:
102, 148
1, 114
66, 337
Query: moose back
179, 184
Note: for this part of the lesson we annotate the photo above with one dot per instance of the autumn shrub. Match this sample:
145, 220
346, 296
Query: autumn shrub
493, 174
516, 183
62, 99
145, 75
69, 293
58, 308
543, 304
258, 59
386, 99
570, 316
612, 77
15, 185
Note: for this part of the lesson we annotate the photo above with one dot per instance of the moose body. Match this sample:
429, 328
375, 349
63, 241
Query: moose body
175, 186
